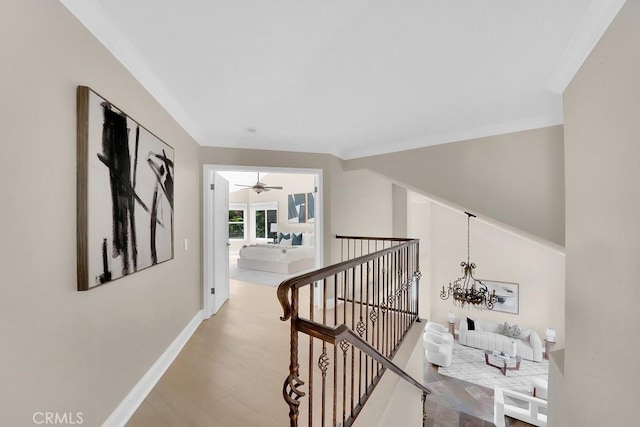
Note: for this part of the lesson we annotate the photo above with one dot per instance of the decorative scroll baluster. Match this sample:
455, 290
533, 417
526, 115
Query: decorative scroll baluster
323, 364
291, 388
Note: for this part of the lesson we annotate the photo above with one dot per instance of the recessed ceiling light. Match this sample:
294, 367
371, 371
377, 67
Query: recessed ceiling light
251, 130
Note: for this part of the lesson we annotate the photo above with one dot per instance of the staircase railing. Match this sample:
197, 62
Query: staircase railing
354, 315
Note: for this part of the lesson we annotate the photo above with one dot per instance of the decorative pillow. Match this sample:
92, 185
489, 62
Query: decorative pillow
525, 334
511, 331
514, 331
296, 239
504, 329
285, 242
471, 325
283, 236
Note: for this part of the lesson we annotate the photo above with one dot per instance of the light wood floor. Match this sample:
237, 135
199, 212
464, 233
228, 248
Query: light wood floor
231, 372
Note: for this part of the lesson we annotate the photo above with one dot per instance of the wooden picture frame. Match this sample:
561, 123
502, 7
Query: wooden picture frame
125, 186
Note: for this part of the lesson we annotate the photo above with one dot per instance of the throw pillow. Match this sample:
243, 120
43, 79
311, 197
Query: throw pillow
296, 239
525, 334
471, 325
511, 331
504, 329
285, 242
514, 331
283, 236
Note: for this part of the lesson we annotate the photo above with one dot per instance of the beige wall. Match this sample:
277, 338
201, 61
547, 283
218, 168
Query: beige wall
65, 350
602, 144
363, 205
419, 227
400, 204
517, 178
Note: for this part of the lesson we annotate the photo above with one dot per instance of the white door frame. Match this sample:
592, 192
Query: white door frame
207, 223
208, 249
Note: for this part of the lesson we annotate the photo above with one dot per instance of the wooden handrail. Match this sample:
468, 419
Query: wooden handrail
387, 239
342, 332
308, 278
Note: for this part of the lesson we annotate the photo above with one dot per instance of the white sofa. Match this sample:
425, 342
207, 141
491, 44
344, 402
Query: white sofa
486, 337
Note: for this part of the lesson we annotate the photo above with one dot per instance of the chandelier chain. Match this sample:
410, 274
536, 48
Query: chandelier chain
468, 239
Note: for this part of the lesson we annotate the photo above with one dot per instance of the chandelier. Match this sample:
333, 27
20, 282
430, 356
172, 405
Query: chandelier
467, 290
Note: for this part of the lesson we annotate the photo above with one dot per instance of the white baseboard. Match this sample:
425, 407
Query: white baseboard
136, 396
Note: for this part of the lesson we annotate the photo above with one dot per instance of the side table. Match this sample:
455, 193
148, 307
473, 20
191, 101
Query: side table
548, 345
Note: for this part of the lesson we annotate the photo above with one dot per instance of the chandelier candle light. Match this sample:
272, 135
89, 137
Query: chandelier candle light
467, 290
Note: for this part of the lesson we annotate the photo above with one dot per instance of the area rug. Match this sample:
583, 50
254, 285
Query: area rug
468, 364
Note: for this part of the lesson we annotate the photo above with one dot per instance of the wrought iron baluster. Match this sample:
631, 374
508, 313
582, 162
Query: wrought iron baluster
385, 287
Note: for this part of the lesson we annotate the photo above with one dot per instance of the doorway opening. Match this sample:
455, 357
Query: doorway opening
253, 219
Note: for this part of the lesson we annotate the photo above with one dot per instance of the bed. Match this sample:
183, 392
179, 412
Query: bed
282, 257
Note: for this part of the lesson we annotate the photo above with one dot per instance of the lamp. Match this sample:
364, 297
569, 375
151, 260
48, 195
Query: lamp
451, 317
551, 335
467, 290
274, 229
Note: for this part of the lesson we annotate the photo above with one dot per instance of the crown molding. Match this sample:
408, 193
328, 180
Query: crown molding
591, 28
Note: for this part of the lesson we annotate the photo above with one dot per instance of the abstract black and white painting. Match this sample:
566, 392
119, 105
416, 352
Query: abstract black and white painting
297, 212
125, 194
508, 296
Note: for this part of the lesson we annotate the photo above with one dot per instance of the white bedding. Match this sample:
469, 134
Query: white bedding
276, 253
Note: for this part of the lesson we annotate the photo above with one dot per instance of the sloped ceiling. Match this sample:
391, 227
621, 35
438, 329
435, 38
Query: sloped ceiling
351, 78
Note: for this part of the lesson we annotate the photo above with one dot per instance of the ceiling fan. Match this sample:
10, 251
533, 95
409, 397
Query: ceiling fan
259, 187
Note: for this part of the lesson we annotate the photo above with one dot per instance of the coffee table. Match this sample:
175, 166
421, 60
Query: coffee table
505, 364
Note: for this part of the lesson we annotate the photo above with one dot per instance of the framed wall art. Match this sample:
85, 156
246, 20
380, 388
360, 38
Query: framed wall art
508, 296
125, 184
297, 211
301, 208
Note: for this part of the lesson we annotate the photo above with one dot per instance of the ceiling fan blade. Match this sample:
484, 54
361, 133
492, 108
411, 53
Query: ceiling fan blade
242, 185
273, 187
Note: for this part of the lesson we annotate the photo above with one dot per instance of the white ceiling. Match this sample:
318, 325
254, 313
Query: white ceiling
351, 77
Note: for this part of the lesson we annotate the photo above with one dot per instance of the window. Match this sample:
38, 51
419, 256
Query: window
264, 214
237, 221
